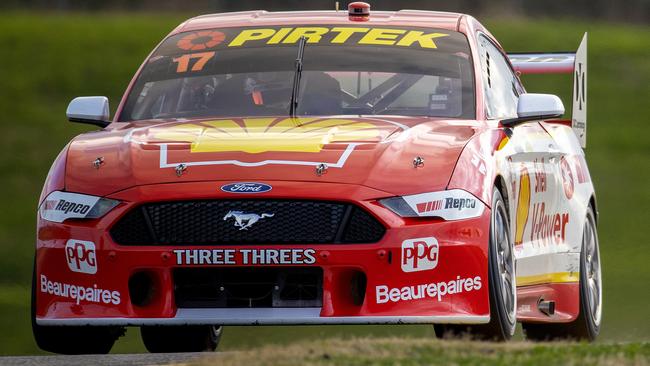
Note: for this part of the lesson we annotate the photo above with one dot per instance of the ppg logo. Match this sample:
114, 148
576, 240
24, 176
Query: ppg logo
81, 256
419, 254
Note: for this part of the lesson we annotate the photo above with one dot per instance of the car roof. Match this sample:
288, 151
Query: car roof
421, 18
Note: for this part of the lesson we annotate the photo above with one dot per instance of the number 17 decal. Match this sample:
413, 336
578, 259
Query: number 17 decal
184, 61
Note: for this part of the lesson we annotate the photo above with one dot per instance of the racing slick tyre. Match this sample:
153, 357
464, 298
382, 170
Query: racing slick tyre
72, 340
502, 285
587, 324
173, 339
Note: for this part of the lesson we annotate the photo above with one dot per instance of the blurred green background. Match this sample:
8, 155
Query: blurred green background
47, 58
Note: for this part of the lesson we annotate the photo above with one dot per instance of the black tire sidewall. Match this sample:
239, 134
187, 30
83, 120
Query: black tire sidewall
591, 329
499, 328
174, 339
70, 340
498, 314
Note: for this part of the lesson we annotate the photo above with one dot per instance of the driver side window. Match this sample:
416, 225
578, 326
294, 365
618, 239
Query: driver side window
501, 86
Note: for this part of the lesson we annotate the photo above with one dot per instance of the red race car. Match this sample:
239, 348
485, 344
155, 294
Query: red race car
322, 167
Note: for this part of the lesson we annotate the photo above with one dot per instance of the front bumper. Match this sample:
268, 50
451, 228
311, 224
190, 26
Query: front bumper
97, 292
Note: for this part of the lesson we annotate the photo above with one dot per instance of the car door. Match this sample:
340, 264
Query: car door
532, 161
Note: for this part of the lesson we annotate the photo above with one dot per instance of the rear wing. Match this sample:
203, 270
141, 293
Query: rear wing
562, 63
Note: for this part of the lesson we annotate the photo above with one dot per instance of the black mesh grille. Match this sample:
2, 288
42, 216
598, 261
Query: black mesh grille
133, 228
361, 226
271, 222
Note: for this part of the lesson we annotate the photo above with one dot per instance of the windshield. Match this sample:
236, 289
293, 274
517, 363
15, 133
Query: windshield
240, 72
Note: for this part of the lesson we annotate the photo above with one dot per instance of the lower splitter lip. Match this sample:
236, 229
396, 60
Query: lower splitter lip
274, 316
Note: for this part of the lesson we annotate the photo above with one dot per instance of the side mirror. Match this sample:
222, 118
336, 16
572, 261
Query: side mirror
90, 110
532, 107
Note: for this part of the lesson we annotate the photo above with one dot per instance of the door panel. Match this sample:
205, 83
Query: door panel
539, 220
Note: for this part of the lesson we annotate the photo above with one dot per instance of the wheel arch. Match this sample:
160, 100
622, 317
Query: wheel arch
500, 184
594, 207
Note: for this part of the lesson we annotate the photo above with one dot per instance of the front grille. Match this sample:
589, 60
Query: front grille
208, 222
248, 287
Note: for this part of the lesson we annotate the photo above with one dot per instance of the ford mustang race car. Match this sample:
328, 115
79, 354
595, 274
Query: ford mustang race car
322, 168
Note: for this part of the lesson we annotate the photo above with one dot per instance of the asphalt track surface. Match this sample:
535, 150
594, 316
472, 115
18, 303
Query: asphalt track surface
103, 360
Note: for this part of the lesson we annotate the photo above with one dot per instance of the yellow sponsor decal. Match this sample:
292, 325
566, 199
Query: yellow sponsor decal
381, 36
558, 277
523, 205
503, 143
339, 35
344, 33
259, 135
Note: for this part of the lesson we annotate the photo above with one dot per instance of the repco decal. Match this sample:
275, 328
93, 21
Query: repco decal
60, 206
454, 204
67, 206
446, 203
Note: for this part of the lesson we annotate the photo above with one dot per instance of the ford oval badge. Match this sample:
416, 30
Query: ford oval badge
246, 187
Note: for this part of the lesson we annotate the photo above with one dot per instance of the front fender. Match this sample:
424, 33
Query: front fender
477, 169
55, 179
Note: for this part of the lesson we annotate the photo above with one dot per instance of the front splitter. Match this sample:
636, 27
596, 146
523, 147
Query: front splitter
263, 316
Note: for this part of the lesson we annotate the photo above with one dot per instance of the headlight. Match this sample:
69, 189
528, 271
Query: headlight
60, 206
454, 204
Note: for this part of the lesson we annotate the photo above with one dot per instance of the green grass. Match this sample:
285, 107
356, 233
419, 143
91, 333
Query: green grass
420, 351
47, 59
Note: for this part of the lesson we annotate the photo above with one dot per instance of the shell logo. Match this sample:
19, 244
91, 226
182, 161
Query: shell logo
260, 135
198, 41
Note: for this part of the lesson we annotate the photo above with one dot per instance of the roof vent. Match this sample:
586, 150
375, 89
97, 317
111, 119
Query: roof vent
359, 11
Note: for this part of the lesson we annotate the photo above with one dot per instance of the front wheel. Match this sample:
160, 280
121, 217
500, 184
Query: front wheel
173, 339
502, 285
71, 340
587, 324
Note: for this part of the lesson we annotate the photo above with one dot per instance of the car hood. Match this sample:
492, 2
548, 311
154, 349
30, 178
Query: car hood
377, 152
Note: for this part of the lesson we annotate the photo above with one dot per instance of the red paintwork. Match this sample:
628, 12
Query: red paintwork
135, 163
480, 185
116, 263
565, 295
56, 176
376, 170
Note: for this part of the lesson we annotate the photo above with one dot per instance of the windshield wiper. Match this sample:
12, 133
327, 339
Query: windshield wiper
293, 106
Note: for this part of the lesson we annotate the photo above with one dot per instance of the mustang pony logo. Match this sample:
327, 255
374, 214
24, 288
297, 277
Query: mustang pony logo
245, 220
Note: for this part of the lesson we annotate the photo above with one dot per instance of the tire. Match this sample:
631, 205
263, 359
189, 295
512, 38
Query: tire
72, 340
501, 283
174, 339
586, 327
